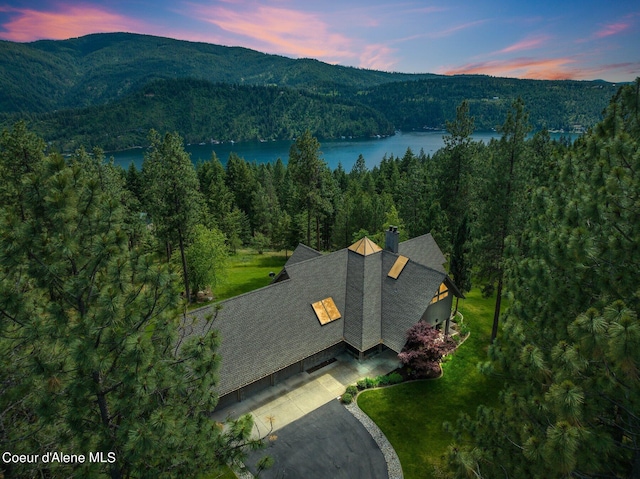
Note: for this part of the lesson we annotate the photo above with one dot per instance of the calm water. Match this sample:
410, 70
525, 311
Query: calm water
333, 151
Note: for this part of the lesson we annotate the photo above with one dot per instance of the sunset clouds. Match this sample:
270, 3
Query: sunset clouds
573, 39
65, 21
282, 30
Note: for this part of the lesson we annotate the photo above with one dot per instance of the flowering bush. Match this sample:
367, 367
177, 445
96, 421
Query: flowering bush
424, 349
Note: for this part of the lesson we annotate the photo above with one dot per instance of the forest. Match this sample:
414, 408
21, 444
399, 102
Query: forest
71, 93
97, 265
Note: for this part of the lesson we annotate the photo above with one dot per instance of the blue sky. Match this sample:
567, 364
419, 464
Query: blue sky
559, 39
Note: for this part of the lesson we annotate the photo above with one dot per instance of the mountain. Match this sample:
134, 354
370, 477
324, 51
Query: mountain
203, 111
108, 90
53, 74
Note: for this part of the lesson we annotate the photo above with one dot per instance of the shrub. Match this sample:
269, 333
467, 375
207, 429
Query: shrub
346, 398
361, 384
395, 378
370, 383
424, 350
351, 389
382, 380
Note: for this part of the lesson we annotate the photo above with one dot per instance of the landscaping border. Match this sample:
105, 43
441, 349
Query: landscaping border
394, 468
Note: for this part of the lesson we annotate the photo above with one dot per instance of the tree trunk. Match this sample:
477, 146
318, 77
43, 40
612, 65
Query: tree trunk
184, 266
114, 472
496, 313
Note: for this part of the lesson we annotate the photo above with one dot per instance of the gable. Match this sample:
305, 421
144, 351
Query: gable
302, 253
425, 251
405, 298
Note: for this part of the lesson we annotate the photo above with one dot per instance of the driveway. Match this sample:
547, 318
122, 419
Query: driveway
290, 400
328, 442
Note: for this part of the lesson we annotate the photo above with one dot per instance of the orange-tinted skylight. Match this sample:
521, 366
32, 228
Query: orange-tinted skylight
398, 266
326, 310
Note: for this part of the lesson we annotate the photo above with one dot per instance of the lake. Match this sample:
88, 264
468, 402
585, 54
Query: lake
343, 151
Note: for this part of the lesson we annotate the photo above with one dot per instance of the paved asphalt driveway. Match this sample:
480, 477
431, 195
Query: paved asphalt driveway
328, 443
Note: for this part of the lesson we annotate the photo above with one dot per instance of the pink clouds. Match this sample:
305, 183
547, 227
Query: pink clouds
450, 31
377, 57
544, 69
279, 30
66, 22
526, 44
612, 29
539, 69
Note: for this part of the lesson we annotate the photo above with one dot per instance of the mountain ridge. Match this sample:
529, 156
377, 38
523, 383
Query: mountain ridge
66, 88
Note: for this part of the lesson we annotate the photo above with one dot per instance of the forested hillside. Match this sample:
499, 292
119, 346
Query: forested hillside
205, 111
554, 105
93, 260
54, 74
109, 89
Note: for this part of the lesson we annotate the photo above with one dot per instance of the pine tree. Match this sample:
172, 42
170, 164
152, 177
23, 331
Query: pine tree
499, 194
570, 351
172, 196
88, 340
305, 167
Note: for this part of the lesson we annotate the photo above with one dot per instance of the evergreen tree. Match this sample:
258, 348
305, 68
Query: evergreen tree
241, 181
88, 339
305, 167
570, 352
172, 196
219, 200
500, 191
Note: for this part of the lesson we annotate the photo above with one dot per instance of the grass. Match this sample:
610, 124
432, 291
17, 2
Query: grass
411, 414
224, 473
247, 270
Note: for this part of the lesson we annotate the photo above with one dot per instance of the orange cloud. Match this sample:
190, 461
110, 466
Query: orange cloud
525, 44
282, 30
545, 69
67, 22
612, 29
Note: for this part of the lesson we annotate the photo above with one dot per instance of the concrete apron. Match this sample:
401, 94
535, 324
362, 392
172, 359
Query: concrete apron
279, 405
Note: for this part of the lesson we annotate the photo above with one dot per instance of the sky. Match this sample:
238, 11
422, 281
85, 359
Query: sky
541, 39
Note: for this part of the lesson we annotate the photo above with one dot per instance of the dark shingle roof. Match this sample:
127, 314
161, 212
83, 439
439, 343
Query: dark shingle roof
274, 327
404, 300
302, 253
423, 250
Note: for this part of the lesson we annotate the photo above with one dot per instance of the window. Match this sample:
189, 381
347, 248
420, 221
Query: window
397, 267
442, 293
326, 310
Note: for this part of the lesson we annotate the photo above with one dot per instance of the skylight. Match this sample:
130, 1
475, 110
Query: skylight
398, 266
326, 310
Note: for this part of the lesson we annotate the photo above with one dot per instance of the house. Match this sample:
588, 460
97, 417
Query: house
361, 299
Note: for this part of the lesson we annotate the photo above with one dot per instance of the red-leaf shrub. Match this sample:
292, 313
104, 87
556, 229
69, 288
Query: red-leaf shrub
424, 349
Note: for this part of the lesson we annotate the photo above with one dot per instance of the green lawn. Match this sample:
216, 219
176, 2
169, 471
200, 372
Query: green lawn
411, 414
248, 270
224, 473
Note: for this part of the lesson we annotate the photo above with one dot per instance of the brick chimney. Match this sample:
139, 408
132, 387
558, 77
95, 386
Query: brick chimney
391, 239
